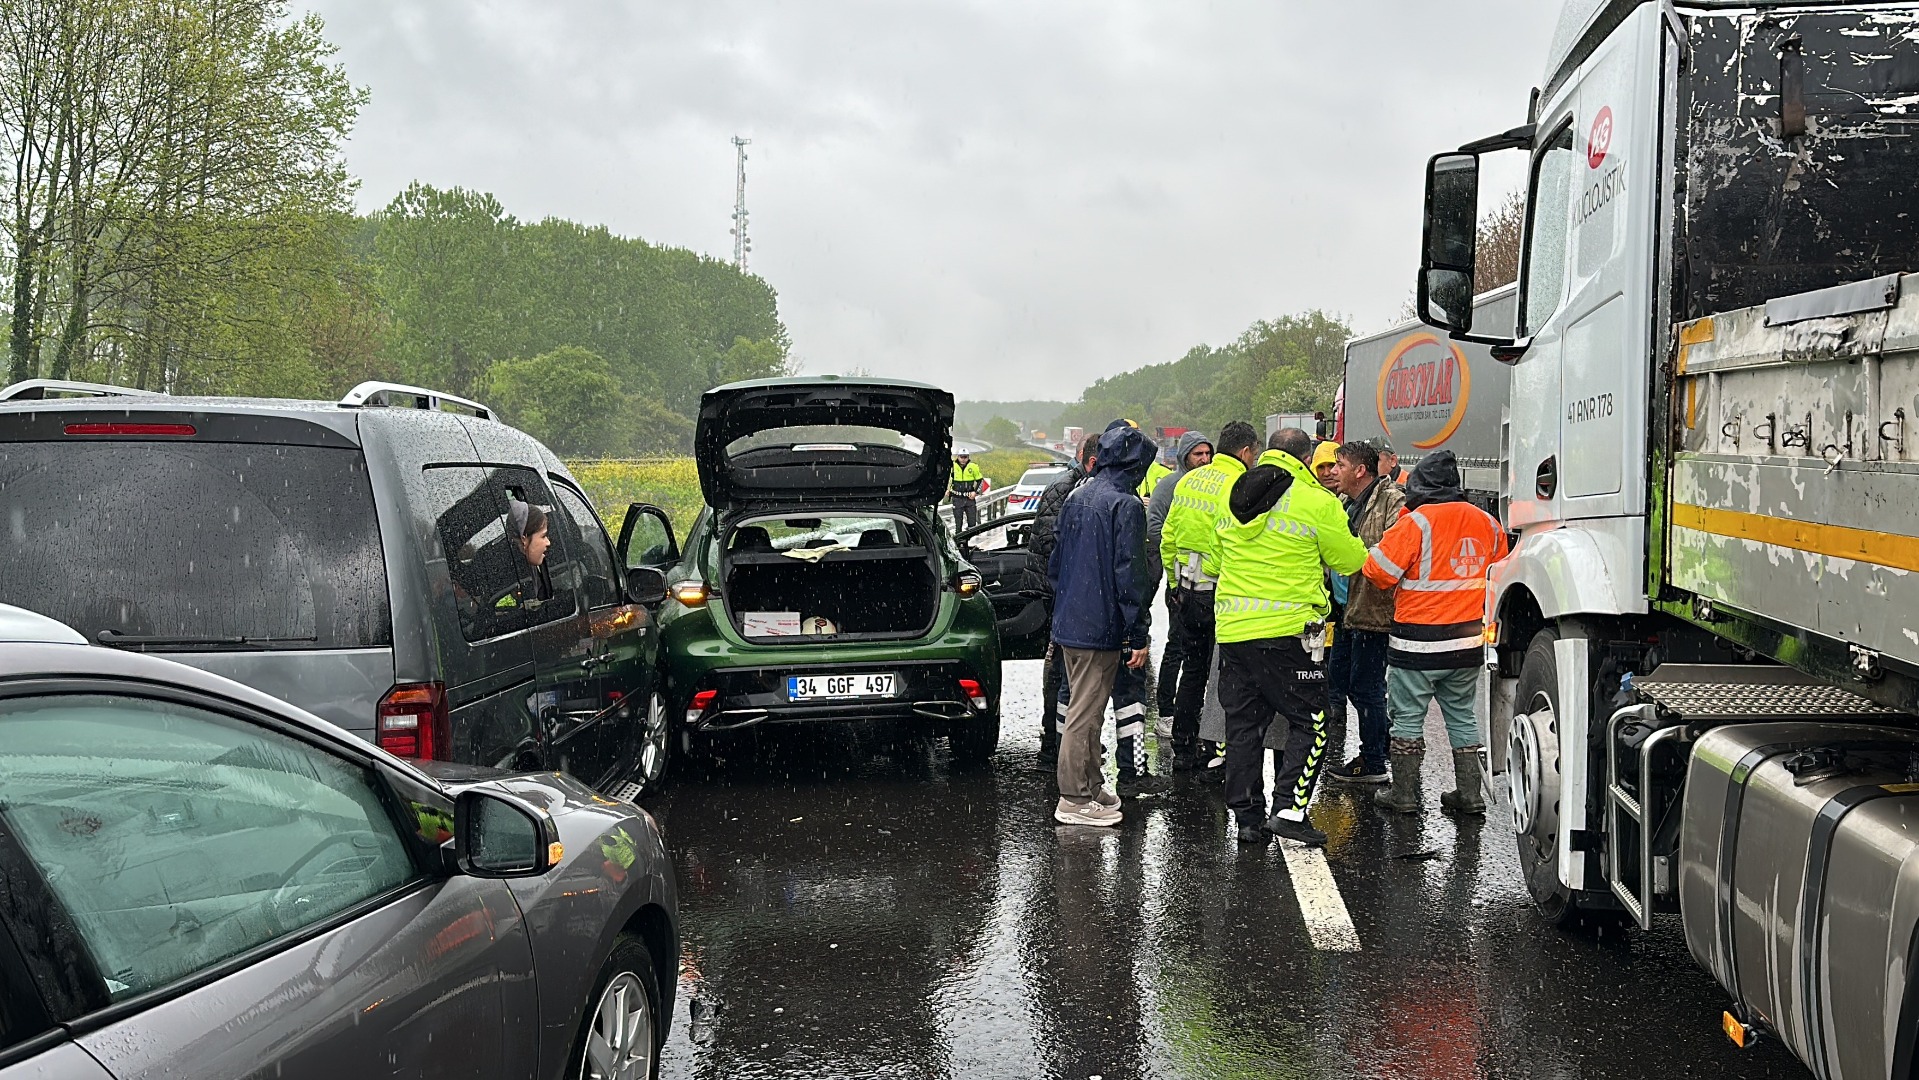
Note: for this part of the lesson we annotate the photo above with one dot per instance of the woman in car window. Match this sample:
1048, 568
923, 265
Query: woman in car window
526, 524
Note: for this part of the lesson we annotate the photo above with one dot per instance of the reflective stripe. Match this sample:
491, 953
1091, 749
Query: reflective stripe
1452, 645
1226, 605
1289, 526
1466, 585
1133, 730
1425, 543
1386, 564
1124, 711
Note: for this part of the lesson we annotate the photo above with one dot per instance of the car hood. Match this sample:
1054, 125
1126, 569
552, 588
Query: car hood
781, 442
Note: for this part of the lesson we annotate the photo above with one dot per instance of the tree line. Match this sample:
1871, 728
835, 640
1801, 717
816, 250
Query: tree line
176, 214
1293, 363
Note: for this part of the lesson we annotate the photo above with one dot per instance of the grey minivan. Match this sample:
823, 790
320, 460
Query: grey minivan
353, 558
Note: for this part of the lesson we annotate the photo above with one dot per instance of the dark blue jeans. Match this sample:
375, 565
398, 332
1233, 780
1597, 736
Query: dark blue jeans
1356, 671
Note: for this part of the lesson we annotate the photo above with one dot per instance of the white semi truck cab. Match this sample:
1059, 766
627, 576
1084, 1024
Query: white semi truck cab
1703, 652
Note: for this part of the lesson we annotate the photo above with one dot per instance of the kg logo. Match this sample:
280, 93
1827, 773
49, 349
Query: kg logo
1468, 561
1600, 141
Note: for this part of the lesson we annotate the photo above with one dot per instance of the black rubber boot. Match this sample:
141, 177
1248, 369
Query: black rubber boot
1403, 796
1469, 789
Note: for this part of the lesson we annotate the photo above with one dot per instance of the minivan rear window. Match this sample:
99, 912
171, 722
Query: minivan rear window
195, 546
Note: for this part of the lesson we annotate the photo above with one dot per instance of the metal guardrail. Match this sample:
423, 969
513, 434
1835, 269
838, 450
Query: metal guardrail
992, 507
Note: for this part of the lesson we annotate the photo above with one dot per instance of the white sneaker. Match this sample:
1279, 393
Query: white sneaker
1105, 797
1090, 812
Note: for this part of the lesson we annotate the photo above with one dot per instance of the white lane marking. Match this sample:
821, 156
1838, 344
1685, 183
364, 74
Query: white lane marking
1327, 922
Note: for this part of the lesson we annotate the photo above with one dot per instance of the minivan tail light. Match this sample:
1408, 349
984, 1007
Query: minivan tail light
176, 430
412, 722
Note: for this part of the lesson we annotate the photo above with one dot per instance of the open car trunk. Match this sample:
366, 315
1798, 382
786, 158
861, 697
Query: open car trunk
809, 581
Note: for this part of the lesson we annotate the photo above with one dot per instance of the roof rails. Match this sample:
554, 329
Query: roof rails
43, 389
384, 394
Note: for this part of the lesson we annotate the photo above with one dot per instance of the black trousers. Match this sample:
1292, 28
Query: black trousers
1191, 635
965, 512
1259, 680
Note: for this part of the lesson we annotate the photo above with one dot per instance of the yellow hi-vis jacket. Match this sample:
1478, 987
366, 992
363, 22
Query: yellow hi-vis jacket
1198, 500
967, 479
1272, 580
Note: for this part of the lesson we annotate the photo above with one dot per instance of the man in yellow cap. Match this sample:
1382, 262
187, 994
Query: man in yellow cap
1325, 460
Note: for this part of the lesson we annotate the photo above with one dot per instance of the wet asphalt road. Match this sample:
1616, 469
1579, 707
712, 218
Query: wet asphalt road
862, 907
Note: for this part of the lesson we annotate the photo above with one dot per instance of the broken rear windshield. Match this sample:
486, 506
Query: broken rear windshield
262, 546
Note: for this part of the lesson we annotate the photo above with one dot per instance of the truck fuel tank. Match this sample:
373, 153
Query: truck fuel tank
1799, 881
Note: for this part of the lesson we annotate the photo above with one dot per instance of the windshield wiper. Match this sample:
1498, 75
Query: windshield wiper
171, 641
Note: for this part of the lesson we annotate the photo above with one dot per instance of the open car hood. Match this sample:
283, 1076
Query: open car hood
779, 442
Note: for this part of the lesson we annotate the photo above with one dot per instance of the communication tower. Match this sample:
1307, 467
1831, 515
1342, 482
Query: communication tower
741, 245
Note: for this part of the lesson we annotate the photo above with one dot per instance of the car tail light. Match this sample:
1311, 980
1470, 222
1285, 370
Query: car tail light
177, 430
413, 723
701, 702
975, 694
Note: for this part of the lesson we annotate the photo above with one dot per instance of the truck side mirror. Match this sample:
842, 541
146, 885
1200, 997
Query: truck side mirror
1451, 242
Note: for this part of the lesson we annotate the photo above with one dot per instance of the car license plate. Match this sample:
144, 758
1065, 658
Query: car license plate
809, 687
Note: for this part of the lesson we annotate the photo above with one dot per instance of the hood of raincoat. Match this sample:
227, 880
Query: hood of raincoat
1161, 499
1434, 480
1124, 455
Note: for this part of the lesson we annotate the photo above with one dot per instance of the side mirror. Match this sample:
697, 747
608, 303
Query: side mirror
1451, 242
496, 835
645, 586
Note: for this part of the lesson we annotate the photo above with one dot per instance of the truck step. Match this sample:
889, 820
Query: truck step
1733, 692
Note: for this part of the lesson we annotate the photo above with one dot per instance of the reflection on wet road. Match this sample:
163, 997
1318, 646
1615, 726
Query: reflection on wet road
865, 908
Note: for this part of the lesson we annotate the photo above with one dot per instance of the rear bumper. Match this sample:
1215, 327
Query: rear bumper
752, 695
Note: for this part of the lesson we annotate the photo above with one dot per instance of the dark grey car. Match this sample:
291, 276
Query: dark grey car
198, 880
349, 557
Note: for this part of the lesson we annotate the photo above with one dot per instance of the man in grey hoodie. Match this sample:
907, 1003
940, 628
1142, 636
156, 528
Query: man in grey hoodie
1193, 451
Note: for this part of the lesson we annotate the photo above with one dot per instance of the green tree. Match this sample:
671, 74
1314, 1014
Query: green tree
1000, 431
566, 398
178, 202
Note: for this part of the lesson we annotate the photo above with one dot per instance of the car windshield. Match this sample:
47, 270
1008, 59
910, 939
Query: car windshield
195, 545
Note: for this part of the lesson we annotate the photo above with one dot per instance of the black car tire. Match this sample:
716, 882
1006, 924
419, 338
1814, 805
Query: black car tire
630, 966
974, 741
657, 736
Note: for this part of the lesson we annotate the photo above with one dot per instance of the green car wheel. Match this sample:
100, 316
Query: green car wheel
974, 741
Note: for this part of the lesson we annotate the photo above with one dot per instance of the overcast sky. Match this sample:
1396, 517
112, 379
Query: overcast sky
1009, 198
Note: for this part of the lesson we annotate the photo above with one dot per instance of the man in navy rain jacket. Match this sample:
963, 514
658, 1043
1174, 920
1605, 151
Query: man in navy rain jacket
1100, 577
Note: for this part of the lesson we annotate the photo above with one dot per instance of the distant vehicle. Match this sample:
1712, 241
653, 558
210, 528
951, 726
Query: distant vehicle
1421, 392
820, 584
1032, 484
197, 879
351, 558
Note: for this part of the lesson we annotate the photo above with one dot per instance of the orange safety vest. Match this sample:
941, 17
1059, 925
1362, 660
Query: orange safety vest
1436, 558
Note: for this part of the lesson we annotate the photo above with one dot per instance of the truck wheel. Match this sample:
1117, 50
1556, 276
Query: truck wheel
1532, 771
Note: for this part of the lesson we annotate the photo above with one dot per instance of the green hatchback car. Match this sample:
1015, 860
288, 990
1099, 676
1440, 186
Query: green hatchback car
820, 584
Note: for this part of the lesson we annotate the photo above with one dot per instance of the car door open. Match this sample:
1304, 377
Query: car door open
1011, 576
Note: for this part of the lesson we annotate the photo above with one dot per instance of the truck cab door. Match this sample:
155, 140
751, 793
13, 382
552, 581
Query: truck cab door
1011, 577
1587, 289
